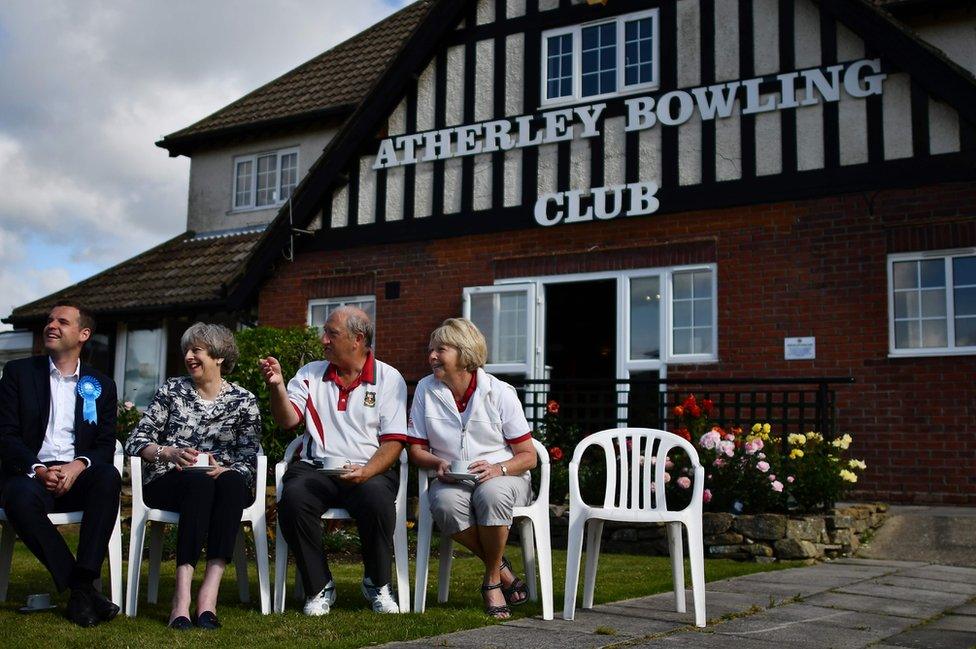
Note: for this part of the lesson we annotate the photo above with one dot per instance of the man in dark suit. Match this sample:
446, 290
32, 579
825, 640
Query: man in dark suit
57, 441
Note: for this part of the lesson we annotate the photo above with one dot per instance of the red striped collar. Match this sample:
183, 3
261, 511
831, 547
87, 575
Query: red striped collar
366, 375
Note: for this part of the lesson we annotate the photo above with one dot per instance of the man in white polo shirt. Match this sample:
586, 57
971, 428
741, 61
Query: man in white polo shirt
354, 408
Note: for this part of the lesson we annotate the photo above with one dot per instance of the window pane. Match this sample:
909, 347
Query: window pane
559, 66
703, 313
934, 333
905, 274
682, 313
591, 85
933, 272
289, 175
142, 371
964, 301
966, 332
703, 283
242, 188
907, 334
267, 173
682, 341
645, 312
639, 51
933, 303
482, 315
906, 304
319, 314
703, 340
599, 59
964, 271
682, 285
512, 328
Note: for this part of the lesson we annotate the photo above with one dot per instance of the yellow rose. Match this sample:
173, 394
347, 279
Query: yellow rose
756, 428
766, 428
796, 439
849, 476
857, 464
795, 453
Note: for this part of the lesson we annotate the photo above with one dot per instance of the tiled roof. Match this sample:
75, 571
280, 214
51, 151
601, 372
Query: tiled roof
333, 81
185, 271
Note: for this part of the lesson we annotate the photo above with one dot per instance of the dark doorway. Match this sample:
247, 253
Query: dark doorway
581, 342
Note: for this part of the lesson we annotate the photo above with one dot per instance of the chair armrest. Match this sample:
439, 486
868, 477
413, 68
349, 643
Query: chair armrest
135, 476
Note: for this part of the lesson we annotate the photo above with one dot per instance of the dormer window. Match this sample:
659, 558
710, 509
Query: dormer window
265, 179
600, 59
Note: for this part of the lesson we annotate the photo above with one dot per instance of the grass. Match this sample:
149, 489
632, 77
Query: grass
350, 624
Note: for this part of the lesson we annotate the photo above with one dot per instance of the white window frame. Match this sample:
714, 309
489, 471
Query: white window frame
253, 159
121, 340
338, 302
577, 32
533, 352
673, 357
951, 350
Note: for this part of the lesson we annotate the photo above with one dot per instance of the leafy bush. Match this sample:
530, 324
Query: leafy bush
128, 419
561, 439
293, 347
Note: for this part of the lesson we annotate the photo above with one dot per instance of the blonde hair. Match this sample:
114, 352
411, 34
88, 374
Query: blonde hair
462, 335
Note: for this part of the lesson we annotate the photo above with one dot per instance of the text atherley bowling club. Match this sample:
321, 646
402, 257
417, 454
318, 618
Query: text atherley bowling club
859, 79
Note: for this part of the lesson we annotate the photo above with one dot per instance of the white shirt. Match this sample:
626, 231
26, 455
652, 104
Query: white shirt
350, 422
59, 438
491, 423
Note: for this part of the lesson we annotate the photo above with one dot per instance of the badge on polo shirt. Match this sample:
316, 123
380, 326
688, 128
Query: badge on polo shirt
370, 400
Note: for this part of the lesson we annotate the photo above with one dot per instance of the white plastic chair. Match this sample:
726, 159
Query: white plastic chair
143, 516
634, 495
69, 518
335, 513
533, 523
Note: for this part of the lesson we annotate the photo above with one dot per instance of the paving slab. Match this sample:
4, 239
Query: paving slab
505, 636
882, 625
925, 638
928, 584
672, 617
885, 563
708, 641
717, 604
941, 573
766, 593
966, 609
882, 605
618, 623
942, 599
965, 623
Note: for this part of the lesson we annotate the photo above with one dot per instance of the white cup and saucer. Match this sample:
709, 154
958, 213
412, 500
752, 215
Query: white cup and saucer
38, 602
333, 465
202, 464
459, 470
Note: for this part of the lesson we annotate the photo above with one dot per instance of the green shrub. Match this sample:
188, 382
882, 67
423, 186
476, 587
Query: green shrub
293, 347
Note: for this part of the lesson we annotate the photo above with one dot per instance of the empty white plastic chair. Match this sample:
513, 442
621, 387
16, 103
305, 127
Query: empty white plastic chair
143, 516
8, 535
635, 461
533, 523
336, 513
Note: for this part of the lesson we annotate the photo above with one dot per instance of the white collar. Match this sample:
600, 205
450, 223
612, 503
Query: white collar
54, 371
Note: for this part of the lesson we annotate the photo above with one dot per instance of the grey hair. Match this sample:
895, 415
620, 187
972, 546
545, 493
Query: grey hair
357, 322
217, 339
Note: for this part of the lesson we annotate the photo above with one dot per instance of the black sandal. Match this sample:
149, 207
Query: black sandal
517, 587
496, 612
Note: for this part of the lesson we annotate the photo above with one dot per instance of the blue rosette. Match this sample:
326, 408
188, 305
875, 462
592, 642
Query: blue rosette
89, 389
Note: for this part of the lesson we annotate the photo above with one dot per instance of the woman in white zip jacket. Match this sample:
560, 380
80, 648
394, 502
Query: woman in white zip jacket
460, 412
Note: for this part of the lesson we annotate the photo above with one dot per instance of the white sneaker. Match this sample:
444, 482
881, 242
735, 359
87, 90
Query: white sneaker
322, 603
379, 598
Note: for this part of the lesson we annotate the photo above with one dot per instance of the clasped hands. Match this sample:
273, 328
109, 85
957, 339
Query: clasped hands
59, 478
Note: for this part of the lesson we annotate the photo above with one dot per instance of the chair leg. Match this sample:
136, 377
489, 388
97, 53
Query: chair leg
281, 570
260, 529
155, 559
696, 556
594, 538
528, 557
424, 531
137, 540
115, 561
574, 551
544, 554
677, 565
7, 537
240, 563
444, 574
402, 561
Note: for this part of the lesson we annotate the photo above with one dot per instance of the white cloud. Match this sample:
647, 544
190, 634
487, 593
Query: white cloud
89, 86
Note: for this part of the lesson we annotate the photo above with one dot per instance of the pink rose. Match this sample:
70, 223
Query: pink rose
718, 463
707, 496
669, 464
763, 466
667, 477
772, 477
729, 437
753, 446
790, 479
709, 440
726, 447
684, 482
777, 485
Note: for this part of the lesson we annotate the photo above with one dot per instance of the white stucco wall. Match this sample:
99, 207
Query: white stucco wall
212, 179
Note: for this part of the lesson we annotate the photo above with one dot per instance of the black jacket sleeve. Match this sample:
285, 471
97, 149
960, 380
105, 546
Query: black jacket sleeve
15, 456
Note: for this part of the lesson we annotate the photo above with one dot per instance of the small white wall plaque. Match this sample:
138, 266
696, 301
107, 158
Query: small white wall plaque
800, 349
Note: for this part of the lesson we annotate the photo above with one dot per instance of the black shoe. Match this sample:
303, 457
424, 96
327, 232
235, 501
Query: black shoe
181, 623
208, 620
104, 608
80, 610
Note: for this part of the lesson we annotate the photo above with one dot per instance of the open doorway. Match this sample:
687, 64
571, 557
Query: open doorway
581, 332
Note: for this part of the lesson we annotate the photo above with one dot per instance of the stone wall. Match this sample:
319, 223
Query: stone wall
763, 537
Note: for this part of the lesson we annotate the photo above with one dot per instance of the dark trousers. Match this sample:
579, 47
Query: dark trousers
96, 493
210, 510
306, 495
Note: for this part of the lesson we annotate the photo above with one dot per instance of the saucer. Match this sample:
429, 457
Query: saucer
198, 469
29, 609
461, 476
339, 471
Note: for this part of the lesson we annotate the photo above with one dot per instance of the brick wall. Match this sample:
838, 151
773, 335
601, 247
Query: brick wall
808, 268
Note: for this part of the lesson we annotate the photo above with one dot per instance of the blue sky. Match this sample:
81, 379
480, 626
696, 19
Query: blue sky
89, 86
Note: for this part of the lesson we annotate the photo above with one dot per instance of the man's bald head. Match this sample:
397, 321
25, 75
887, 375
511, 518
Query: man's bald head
355, 321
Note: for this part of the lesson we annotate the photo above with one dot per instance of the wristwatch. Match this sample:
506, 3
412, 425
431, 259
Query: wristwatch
504, 469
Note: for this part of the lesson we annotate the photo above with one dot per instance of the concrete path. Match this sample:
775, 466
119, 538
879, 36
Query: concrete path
844, 604
945, 535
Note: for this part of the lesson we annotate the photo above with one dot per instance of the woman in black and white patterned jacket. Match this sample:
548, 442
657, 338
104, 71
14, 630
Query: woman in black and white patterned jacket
192, 415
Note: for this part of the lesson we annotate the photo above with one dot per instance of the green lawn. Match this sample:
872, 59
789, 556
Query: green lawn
350, 624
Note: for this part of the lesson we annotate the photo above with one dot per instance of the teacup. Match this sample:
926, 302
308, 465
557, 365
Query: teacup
203, 459
460, 466
38, 602
333, 463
